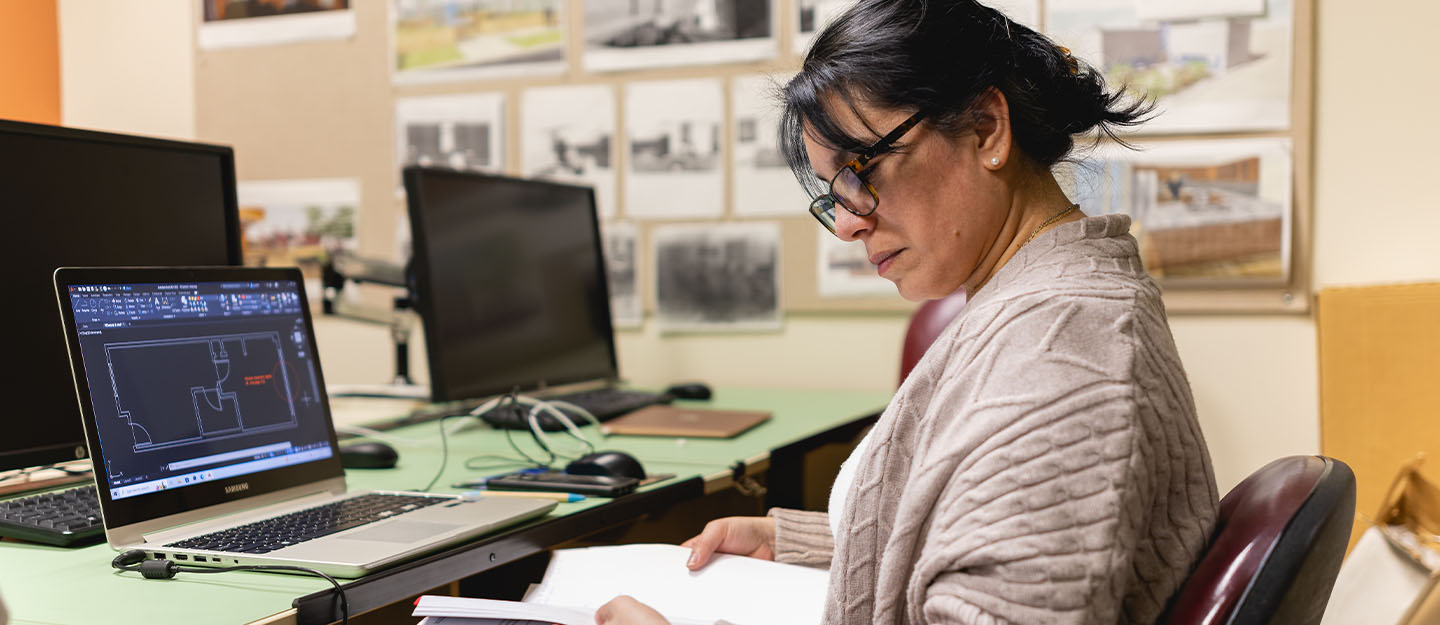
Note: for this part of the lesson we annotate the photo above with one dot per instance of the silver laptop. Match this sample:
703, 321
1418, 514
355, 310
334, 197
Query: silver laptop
208, 423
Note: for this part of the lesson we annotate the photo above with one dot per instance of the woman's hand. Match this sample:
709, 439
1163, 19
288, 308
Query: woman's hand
752, 536
625, 610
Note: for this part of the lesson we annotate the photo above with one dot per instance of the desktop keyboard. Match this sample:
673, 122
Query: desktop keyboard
604, 403
68, 517
308, 524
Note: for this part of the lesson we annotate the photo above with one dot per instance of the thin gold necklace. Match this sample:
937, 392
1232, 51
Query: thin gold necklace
1047, 222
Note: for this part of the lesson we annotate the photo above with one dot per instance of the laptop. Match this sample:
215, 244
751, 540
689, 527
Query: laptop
685, 422
206, 415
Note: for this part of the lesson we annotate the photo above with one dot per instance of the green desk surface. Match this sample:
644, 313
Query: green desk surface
52, 585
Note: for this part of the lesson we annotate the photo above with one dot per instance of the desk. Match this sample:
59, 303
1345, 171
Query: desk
55, 586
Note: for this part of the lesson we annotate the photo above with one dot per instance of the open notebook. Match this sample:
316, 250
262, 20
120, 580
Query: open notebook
579, 581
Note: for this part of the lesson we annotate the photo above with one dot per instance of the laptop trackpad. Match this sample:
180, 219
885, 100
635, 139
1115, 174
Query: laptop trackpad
402, 531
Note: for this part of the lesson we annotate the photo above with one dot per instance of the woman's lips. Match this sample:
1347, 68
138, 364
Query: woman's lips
884, 260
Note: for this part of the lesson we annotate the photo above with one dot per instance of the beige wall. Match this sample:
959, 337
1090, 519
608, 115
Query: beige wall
128, 66
1254, 377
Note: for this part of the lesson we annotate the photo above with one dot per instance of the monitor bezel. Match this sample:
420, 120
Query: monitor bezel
119, 513
76, 449
441, 387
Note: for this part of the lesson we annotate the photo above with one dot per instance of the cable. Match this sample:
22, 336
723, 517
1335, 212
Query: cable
135, 560
444, 452
514, 401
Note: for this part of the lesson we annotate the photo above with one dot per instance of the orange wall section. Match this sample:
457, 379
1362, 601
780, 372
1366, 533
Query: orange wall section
30, 61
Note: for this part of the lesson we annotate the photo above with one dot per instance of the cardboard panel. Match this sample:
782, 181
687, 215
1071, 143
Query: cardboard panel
1379, 400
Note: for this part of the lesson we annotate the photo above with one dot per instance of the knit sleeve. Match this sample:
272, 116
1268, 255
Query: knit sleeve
803, 537
1048, 513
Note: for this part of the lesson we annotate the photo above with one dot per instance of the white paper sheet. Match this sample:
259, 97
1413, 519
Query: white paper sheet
774, 593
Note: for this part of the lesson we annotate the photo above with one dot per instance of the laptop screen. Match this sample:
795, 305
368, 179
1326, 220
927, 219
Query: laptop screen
198, 382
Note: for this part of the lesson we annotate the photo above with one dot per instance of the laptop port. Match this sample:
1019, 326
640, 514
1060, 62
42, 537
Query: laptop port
181, 556
159, 556
199, 558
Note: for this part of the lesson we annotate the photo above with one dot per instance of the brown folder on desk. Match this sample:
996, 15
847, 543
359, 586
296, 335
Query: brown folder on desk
664, 420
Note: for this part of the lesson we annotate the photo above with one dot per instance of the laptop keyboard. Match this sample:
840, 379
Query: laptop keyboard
61, 517
604, 403
297, 527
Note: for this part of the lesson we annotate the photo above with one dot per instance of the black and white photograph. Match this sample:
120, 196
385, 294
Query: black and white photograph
813, 15
633, 34
761, 184
451, 40
1222, 66
717, 277
621, 267
845, 271
568, 134
245, 23
1203, 210
460, 132
673, 151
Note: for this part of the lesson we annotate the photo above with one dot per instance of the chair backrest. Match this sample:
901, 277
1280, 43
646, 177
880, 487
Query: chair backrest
925, 324
1276, 550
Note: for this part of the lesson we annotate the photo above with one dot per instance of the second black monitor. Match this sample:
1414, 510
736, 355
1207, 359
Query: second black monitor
79, 197
510, 283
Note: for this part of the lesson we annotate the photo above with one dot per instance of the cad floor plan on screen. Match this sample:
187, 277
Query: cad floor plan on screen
233, 385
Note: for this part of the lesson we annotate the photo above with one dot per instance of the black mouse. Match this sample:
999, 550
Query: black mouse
611, 463
689, 390
368, 455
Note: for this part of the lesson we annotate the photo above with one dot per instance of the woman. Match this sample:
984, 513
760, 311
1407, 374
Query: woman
1042, 463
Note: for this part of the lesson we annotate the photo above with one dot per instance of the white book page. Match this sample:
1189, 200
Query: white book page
736, 589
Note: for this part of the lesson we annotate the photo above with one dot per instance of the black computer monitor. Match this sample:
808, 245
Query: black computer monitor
79, 197
509, 281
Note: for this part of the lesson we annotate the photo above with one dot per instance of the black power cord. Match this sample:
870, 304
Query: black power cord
135, 560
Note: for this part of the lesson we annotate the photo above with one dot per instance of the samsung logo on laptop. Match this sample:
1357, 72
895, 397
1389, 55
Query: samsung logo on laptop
235, 488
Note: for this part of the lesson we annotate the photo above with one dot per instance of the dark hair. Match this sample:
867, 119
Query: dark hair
941, 56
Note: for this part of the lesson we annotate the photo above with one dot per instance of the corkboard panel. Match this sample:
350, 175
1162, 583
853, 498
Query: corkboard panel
327, 109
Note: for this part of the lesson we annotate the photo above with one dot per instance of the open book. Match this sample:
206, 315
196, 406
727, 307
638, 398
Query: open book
733, 589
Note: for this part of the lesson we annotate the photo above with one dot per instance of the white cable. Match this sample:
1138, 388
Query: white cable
538, 406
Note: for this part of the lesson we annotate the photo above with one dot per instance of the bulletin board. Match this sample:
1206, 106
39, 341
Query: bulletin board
327, 109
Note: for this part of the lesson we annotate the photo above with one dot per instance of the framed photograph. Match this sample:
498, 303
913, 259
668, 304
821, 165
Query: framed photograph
672, 144
463, 132
812, 16
761, 182
717, 277
568, 134
631, 34
1206, 212
298, 223
1220, 66
621, 267
450, 40
243, 23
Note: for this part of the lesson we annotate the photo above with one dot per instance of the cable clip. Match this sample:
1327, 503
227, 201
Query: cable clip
745, 484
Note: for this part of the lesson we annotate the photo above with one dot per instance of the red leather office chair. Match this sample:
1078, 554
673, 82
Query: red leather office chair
1276, 550
925, 324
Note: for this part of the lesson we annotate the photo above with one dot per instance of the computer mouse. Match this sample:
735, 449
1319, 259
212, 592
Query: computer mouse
368, 455
611, 463
689, 390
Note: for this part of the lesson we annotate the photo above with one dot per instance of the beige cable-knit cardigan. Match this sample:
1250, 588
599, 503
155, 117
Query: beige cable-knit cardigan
1041, 464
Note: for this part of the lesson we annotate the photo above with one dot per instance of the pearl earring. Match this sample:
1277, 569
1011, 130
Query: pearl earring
994, 161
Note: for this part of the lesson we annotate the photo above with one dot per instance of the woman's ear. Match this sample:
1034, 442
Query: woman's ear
992, 130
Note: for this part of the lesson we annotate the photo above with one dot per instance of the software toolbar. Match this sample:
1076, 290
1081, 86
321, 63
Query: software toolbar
145, 302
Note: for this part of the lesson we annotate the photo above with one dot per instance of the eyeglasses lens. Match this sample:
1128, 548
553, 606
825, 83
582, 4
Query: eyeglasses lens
853, 192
